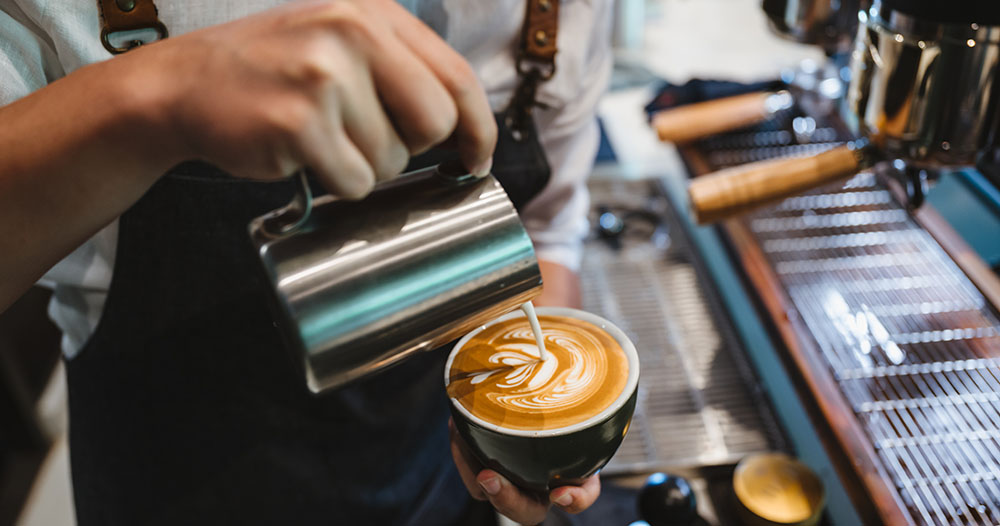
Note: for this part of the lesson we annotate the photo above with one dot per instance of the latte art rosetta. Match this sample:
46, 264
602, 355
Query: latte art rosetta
532, 384
499, 377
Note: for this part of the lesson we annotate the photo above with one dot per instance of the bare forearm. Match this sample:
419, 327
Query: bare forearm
75, 155
349, 88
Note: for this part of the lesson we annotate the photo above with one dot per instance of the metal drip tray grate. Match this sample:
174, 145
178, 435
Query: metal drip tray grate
694, 407
911, 342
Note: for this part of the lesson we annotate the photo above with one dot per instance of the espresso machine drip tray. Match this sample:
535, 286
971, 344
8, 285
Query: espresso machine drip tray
697, 404
910, 341
897, 345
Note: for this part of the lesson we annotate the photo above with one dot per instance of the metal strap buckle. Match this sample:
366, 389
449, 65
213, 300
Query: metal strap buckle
106, 33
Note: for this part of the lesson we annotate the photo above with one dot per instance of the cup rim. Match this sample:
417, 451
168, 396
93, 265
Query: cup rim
630, 385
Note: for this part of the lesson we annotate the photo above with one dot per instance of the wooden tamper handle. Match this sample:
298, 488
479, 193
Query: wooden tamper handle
701, 119
742, 188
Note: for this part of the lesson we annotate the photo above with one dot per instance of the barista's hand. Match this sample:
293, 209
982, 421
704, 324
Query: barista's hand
508, 499
349, 88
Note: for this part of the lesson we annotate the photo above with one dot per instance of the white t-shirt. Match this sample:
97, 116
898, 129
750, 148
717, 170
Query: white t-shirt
43, 40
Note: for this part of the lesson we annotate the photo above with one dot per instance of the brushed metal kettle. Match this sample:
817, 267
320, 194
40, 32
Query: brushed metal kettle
423, 259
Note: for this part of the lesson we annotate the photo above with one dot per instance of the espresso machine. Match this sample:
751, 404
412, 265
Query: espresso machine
923, 97
871, 311
827, 24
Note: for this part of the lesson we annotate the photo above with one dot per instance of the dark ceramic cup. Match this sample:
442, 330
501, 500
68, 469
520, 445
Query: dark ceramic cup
542, 460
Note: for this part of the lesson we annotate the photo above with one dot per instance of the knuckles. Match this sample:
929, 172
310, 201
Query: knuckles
321, 67
346, 20
335, 37
312, 71
333, 41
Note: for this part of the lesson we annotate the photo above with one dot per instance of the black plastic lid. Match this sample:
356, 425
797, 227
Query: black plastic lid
983, 12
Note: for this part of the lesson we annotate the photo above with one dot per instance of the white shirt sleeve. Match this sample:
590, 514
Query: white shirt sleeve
41, 40
556, 219
27, 59
28, 62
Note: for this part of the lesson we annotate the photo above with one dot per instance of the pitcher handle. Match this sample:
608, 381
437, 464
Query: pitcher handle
292, 216
295, 214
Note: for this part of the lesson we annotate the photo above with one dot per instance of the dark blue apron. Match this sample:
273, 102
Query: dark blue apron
185, 408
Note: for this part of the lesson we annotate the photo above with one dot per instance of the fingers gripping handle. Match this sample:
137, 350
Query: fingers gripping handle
695, 121
742, 188
294, 216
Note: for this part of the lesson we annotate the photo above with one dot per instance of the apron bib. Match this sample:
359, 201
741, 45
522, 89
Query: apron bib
186, 409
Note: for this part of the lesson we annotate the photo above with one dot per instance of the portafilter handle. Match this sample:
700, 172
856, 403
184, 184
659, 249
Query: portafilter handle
743, 188
702, 119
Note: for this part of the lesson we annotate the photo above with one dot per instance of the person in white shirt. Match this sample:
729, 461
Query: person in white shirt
350, 89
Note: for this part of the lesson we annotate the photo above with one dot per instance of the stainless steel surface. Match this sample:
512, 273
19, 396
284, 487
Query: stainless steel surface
422, 260
923, 94
293, 215
924, 91
830, 24
695, 407
911, 342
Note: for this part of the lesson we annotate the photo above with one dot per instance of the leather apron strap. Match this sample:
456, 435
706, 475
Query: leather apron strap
536, 63
538, 35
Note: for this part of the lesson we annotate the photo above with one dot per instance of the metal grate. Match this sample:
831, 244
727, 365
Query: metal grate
694, 407
913, 345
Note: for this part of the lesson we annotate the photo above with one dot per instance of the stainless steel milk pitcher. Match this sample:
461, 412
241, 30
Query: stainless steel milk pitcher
425, 258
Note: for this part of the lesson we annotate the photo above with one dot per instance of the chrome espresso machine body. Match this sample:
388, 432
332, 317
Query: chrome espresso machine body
818, 86
925, 91
923, 96
829, 24
879, 317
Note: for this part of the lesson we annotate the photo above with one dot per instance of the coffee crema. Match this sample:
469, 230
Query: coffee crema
498, 376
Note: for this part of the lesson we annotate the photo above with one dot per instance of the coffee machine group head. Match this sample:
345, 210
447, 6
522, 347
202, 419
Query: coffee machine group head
829, 24
923, 95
